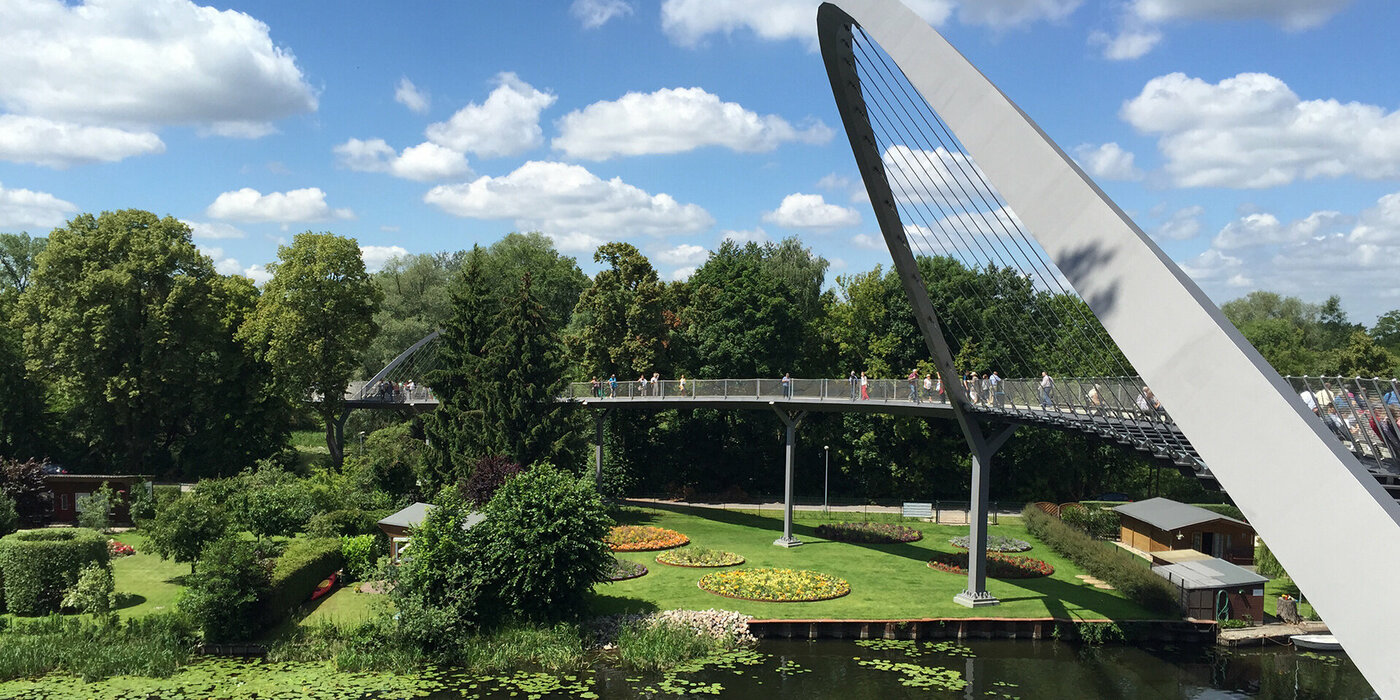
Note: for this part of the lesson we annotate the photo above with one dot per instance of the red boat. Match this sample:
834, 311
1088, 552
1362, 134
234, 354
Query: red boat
325, 586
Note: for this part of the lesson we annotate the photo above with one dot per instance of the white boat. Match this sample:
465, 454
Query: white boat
1316, 642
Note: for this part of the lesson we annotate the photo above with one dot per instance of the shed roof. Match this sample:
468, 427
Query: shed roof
1208, 573
414, 515
1167, 514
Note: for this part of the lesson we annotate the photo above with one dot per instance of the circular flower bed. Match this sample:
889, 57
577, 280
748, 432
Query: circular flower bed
623, 569
998, 565
643, 538
995, 543
869, 533
117, 549
774, 585
699, 557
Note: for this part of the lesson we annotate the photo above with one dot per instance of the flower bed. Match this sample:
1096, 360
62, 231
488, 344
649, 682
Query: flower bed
623, 569
643, 538
998, 565
869, 533
117, 549
995, 543
699, 557
774, 585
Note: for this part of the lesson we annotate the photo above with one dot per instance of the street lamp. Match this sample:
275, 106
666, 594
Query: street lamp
826, 478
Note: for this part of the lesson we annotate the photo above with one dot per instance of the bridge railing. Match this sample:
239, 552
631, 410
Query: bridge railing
881, 390
1362, 413
389, 393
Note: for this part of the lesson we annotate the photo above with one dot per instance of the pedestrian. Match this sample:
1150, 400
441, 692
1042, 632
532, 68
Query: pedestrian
1391, 398
855, 382
914, 385
974, 384
994, 385
1308, 400
864, 388
787, 385
655, 383
612, 385
642, 384
928, 385
594, 388
1047, 388
1324, 397
1095, 401
682, 385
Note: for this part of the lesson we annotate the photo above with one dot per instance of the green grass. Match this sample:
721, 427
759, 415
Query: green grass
313, 441
888, 581
146, 583
1277, 587
344, 607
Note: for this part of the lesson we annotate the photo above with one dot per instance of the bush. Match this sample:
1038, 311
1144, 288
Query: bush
296, 573
487, 477
95, 592
434, 589
23, 483
222, 598
183, 527
1123, 571
95, 509
142, 502
271, 502
39, 565
869, 533
658, 645
165, 493
9, 517
341, 523
97, 648
360, 554
1097, 522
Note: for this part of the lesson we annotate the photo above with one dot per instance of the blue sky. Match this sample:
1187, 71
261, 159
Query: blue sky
1258, 141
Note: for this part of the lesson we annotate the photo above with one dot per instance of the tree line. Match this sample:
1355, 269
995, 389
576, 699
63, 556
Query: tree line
135, 355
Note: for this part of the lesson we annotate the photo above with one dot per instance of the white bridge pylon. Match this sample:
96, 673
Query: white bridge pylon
1263, 445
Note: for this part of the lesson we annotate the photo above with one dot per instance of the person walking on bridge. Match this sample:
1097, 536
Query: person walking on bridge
928, 386
612, 386
787, 385
914, 385
656, 384
864, 388
994, 387
855, 382
1047, 388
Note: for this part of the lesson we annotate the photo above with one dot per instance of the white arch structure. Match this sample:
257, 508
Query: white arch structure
1311, 500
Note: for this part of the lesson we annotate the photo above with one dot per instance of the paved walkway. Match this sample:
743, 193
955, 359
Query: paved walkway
946, 516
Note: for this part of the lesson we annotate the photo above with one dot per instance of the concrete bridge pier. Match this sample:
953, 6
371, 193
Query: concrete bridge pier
976, 594
600, 418
791, 419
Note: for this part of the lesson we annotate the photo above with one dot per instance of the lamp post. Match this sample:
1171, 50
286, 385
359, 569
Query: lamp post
826, 478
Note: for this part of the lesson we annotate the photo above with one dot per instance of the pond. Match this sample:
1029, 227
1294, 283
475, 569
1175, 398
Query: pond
873, 669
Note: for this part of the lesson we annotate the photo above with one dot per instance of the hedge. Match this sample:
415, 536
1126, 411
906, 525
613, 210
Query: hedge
1123, 571
296, 574
340, 523
39, 565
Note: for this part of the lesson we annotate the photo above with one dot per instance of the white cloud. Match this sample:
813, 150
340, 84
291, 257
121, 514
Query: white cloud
596, 13
223, 264
22, 209
1128, 44
753, 235
1184, 224
939, 176
408, 95
60, 144
1252, 131
682, 274
425, 162
689, 22
868, 242
673, 121
258, 274
683, 254
1005, 14
569, 203
855, 188
506, 124
1262, 228
1107, 161
214, 230
145, 62
375, 256
811, 211
250, 205
1293, 14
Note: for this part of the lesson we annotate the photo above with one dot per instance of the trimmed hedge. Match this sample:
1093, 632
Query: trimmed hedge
1123, 571
296, 574
39, 565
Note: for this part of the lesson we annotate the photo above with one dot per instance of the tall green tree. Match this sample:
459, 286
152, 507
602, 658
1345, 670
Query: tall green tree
313, 320
1364, 357
19, 257
125, 321
416, 302
456, 430
623, 321
24, 419
558, 279
1387, 331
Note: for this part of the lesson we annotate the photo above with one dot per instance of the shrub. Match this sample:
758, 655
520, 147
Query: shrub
141, 502
360, 553
433, 589
869, 533
222, 598
9, 517
487, 477
296, 573
999, 565
39, 565
1097, 522
183, 527
165, 493
94, 593
1123, 571
23, 483
271, 502
995, 543
349, 522
96, 648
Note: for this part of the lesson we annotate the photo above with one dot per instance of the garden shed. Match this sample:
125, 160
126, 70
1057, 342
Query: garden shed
1211, 587
1159, 524
399, 526
68, 488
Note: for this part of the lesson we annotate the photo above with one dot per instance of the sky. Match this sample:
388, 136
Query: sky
1257, 141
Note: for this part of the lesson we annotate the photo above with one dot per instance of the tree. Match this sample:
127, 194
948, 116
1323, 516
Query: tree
23, 483
390, 462
184, 526
270, 502
95, 509
416, 303
222, 599
456, 429
743, 320
489, 474
1387, 331
558, 280
623, 321
1363, 357
436, 592
124, 320
19, 256
24, 419
313, 320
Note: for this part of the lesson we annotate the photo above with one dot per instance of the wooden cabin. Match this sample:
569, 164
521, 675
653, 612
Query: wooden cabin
399, 527
66, 489
1160, 524
1212, 589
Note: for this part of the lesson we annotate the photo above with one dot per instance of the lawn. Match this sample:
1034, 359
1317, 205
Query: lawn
887, 581
1277, 587
145, 583
345, 605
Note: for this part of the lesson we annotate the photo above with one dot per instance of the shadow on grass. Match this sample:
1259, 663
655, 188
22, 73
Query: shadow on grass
181, 580
632, 515
610, 604
129, 600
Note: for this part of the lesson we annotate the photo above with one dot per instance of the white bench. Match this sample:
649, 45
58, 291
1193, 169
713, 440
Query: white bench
917, 510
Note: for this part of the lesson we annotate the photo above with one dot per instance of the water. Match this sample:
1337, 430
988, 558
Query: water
871, 670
